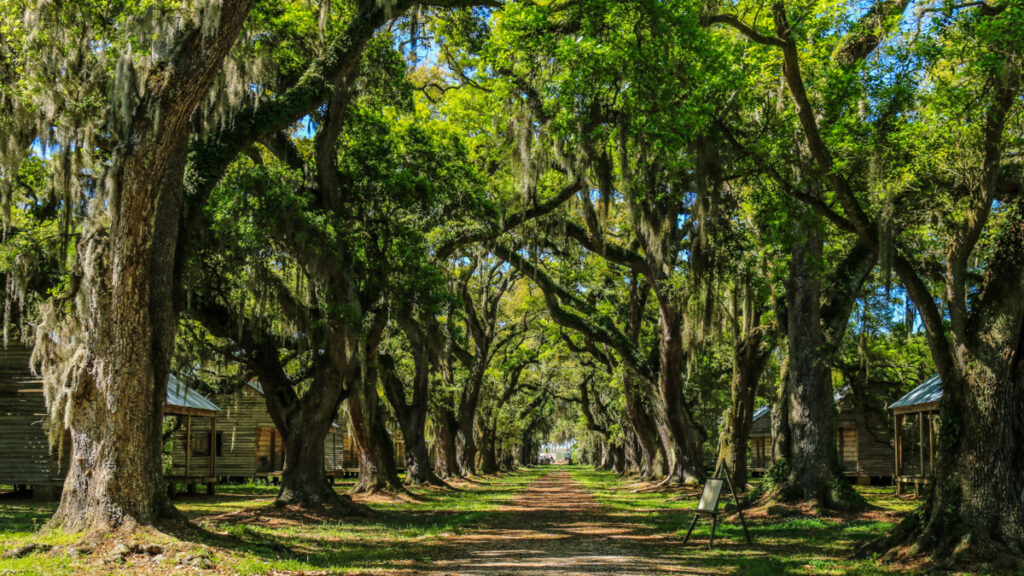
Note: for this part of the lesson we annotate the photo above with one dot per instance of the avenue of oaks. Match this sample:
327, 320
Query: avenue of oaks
496, 222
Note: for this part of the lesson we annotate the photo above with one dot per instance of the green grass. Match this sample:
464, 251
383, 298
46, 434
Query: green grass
406, 534
792, 546
402, 534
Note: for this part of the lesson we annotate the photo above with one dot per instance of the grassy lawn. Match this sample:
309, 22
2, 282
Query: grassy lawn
403, 533
243, 534
801, 545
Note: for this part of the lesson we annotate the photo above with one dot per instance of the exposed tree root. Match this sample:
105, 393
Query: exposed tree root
788, 498
434, 482
177, 541
911, 544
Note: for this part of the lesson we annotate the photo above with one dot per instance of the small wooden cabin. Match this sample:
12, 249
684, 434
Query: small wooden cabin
27, 459
246, 441
761, 440
916, 420
199, 462
863, 440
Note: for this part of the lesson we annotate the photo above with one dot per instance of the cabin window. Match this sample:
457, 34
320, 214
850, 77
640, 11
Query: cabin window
201, 443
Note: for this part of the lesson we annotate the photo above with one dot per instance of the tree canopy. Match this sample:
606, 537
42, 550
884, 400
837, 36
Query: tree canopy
484, 225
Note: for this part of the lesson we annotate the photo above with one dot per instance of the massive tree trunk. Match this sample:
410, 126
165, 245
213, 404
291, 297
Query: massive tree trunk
811, 406
412, 417
527, 449
481, 324
303, 421
782, 443
979, 491
115, 408
685, 459
377, 470
488, 456
976, 508
447, 465
750, 359
650, 455
465, 442
304, 480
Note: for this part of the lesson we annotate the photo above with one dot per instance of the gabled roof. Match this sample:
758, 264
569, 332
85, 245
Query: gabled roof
182, 399
760, 412
927, 392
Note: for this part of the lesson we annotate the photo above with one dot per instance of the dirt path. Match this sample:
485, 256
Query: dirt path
557, 527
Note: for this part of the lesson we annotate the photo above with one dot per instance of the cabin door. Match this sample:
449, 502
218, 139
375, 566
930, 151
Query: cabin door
269, 451
847, 439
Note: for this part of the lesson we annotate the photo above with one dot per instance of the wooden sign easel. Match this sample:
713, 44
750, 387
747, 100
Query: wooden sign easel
708, 505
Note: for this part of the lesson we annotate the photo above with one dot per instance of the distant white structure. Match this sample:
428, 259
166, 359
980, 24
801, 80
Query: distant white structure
560, 453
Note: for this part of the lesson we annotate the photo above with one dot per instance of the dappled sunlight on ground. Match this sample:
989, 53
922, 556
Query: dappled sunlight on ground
546, 521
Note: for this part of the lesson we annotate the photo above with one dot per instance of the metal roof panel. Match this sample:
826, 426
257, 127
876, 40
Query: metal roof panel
178, 394
928, 391
761, 412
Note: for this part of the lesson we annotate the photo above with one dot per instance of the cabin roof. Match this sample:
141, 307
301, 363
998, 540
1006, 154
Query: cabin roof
927, 392
183, 400
761, 412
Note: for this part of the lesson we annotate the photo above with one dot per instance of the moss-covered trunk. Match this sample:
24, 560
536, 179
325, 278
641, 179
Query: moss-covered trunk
125, 312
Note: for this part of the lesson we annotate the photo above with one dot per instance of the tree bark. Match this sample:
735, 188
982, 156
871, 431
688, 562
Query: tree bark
412, 417
304, 480
488, 457
750, 360
377, 469
465, 443
303, 421
811, 404
685, 456
115, 411
976, 507
650, 459
447, 463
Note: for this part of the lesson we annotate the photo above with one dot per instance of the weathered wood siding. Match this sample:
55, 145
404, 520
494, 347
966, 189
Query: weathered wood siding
760, 443
25, 453
864, 441
760, 452
874, 456
847, 449
250, 444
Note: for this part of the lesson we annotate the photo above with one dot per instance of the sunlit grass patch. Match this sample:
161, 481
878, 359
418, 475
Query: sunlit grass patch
801, 545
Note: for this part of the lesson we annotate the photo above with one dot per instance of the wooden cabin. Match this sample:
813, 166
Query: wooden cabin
199, 459
863, 440
916, 421
247, 443
27, 460
761, 440
30, 461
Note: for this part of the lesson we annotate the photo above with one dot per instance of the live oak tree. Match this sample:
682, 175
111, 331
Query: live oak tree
104, 346
976, 504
